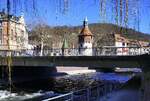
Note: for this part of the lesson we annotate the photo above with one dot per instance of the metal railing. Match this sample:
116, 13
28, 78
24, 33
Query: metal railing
98, 51
90, 94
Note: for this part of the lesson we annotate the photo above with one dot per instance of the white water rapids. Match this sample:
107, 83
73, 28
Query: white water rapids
8, 96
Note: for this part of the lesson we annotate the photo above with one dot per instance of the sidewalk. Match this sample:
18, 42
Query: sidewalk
122, 95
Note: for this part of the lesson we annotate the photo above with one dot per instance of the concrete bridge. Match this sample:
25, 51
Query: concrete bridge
107, 57
139, 61
35, 67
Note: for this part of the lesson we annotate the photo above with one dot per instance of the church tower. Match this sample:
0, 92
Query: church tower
85, 40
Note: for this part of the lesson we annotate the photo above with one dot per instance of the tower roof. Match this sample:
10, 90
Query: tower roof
65, 44
85, 30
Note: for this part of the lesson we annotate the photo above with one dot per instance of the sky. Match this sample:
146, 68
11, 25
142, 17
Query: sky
51, 12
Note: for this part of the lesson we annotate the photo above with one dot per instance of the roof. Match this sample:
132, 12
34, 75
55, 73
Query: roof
65, 44
85, 30
4, 16
119, 38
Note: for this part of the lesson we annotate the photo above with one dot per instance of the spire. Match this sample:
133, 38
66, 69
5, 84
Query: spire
65, 44
86, 19
85, 30
22, 14
85, 22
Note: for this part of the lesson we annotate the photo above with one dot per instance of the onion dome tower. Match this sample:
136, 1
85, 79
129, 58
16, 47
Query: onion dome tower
85, 40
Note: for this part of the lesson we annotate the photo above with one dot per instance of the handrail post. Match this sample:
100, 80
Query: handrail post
98, 94
88, 94
72, 96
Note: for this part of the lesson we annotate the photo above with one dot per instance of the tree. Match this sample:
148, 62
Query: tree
42, 35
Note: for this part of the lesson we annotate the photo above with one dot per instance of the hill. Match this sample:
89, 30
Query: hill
102, 34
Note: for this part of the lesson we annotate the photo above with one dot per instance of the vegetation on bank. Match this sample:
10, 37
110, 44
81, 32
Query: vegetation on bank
54, 36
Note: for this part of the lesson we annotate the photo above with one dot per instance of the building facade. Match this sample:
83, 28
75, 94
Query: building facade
125, 45
13, 33
85, 40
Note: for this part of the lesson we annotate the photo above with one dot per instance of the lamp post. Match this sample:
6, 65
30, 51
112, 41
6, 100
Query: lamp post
41, 52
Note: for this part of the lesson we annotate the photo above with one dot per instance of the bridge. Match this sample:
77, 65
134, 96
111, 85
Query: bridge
102, 57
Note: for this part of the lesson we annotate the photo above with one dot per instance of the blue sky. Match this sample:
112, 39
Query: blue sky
48, 11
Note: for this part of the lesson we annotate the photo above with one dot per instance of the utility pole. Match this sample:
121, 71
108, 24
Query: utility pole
9, 62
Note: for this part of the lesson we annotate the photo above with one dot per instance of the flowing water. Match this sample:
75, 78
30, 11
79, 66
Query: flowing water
18, 96
121, 78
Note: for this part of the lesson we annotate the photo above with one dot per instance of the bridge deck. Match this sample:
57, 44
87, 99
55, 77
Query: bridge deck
84, 61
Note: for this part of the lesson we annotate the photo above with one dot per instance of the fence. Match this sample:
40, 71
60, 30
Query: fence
89, 94
99, 51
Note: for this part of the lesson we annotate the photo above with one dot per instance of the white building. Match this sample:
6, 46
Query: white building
129, 46
13, 33
85, 40
121, 44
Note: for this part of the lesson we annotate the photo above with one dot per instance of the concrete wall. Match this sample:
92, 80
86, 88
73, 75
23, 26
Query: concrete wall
82, 61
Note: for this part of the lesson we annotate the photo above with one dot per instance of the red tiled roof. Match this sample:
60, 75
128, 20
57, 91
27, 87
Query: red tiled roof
86, 32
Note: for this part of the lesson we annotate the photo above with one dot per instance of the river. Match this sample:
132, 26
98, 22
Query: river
5, 95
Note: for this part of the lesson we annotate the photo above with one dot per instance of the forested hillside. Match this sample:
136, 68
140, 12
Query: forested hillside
102, 34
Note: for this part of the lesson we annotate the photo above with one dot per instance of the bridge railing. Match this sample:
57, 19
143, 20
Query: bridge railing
121, 51
98, 51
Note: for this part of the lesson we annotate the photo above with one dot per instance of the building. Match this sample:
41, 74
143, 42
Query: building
13, 33
121, 43
125, 45
85, 40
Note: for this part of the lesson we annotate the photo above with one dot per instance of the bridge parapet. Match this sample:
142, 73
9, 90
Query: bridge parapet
98, 51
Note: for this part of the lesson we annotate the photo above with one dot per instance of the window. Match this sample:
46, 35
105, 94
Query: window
123, 44
1, 36
127, 44
22, 32
0, 24
12, 34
